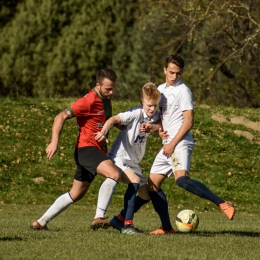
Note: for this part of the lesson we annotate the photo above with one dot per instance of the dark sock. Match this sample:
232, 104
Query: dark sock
139, 202
160, 205
129, 203
198, 189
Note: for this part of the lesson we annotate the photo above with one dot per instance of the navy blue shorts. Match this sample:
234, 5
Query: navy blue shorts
87, 160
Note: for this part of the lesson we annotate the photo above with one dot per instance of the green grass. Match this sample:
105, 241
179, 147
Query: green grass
227, 164
69, 236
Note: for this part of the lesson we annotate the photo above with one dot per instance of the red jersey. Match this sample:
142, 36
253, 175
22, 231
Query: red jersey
91, 111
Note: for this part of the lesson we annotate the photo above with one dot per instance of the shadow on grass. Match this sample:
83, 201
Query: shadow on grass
10, 238
234, 233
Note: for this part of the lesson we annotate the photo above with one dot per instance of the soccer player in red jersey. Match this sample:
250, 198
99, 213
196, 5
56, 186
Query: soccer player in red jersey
91, 158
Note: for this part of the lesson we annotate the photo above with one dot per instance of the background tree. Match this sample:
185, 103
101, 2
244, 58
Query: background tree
219, 41
55, 48
7, 11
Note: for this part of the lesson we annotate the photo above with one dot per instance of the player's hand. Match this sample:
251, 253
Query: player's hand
145, 128
168, 150
51, 150
100, 137
163, 134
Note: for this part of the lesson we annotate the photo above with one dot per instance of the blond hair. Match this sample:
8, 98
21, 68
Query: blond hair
150, 91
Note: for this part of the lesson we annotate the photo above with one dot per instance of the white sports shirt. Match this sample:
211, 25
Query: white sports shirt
131, 143
174, 100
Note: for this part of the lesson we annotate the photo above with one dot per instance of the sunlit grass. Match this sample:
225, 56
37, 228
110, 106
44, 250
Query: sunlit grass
226, 163
69, 236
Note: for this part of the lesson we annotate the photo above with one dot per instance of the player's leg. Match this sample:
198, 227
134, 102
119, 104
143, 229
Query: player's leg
124, 221
161, 169
81, 183
142, 198
133, 175
160, 203
129, 176
184, 181
182, 156
77, 191
117, 222
107, 169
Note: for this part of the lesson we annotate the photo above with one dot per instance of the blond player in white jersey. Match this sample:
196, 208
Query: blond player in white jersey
176, 110
127, 152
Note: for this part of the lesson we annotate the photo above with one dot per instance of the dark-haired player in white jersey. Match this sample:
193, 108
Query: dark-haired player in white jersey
176, 108
127, 152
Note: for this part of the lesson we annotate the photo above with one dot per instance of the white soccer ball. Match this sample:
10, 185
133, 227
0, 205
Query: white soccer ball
187, 221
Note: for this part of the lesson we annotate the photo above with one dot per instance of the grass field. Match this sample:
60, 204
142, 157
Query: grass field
226, 158
69, 236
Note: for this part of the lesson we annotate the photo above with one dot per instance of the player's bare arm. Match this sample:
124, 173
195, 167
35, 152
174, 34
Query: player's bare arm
184, 129
56, 130
101, 136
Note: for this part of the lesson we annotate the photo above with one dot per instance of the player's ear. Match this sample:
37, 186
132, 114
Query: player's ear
97, 85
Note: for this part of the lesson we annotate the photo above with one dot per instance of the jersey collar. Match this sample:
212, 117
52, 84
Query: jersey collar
175, 85
146, 117
96, 92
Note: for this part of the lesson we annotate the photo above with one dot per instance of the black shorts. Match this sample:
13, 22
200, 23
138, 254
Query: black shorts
87, 160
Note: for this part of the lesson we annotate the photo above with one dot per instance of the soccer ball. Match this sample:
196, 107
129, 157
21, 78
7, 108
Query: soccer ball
187, 221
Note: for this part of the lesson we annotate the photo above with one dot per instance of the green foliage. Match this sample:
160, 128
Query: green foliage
51, 49
219, 42
56, 48
7, 11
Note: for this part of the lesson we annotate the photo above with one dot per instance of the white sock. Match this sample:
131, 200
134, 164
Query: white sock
56, 208
104, 196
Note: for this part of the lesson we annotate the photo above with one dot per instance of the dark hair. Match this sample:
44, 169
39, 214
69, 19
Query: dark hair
175, 59
106, 74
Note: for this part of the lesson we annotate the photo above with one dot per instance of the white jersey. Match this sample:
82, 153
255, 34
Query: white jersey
174, 100
131, 143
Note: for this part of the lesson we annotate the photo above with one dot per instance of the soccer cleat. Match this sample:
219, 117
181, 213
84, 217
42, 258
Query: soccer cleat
228, 208
161, 231
36, 226
116, 223
131, 231
99, 223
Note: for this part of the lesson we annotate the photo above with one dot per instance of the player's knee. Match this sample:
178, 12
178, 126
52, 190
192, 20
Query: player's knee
76, 196
134, 179
152, 186
182, 181
107, 169
115, 175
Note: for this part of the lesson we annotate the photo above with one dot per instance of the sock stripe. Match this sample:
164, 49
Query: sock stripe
121, 218
71, 198
128, 222
112, 179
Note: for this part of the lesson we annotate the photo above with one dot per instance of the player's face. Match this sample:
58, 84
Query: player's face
106, 89
173, 74
149, 106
